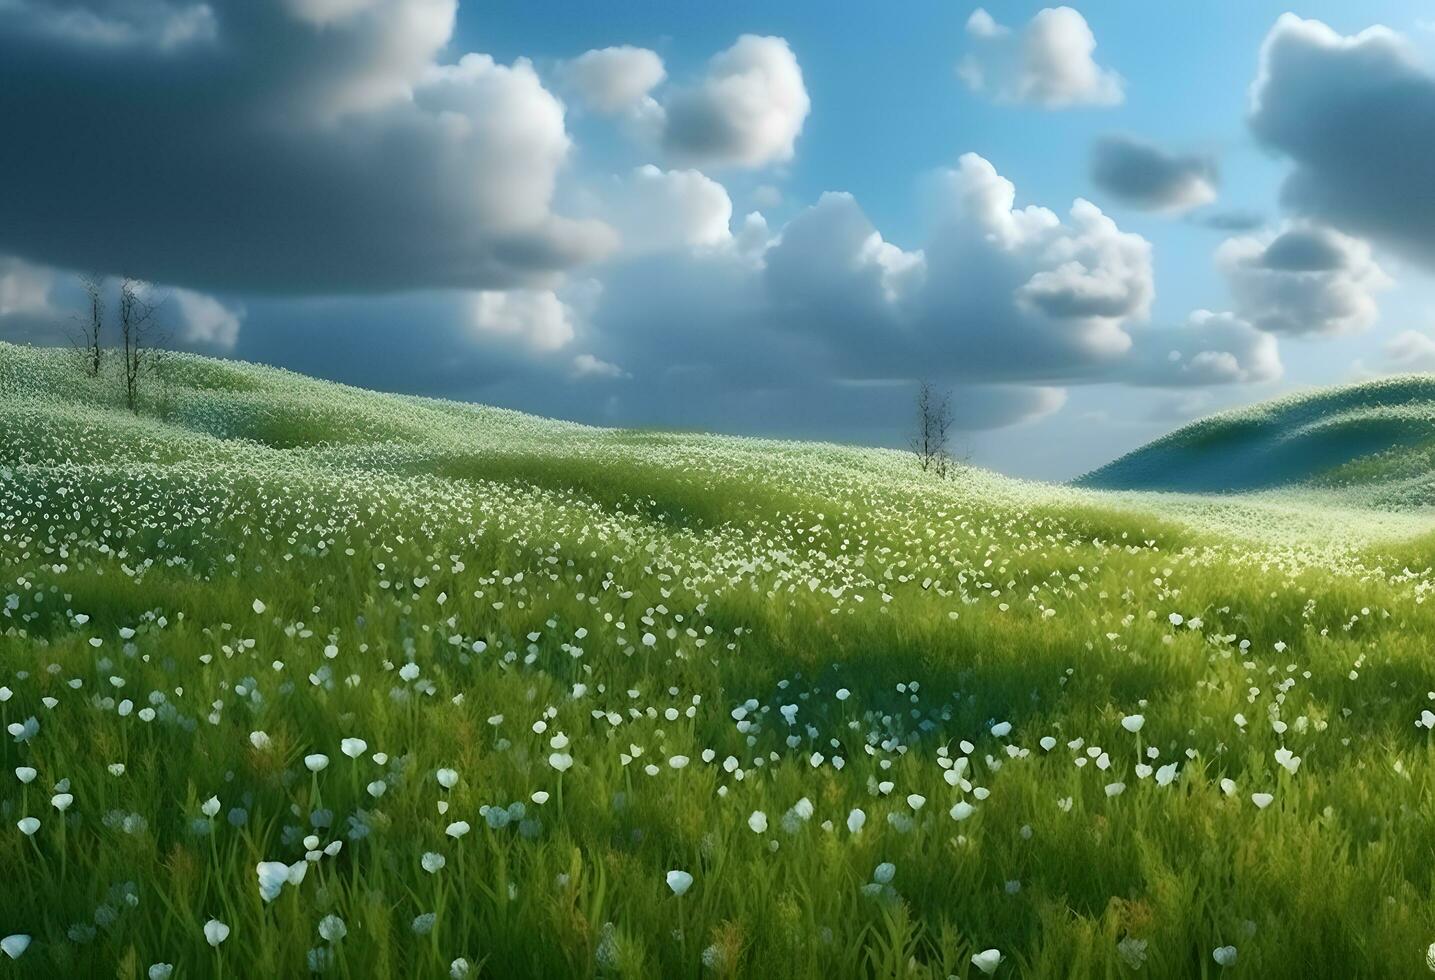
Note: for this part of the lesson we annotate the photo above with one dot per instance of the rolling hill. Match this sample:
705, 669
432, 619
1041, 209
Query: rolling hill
297, 678
1372, 442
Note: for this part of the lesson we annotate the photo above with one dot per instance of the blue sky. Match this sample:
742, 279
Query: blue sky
353, 233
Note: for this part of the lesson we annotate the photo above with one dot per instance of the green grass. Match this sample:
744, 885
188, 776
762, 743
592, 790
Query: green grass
455, 585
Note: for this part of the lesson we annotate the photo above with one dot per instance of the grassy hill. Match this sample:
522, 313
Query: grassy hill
395, 687
1375, 440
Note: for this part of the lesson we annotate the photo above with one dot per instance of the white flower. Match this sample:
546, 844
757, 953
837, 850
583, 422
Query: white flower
757, 822
260, 740
160, 971
28, 826
447, 778
962, 810
316, 762
1001, 729
885, 872
62, 801
258, 611
916, 801
855, 821
353, 747
987, 960
561, 761
457, 829
15, 946
210, 807
25, 774
216, 932
332, 928
272, 877
433, 862
1224, 955
679, 882
459, 969
1115, 789
376, 788
1262, 800
1133, 723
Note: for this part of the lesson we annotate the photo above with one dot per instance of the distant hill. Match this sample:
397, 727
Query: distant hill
1376, 437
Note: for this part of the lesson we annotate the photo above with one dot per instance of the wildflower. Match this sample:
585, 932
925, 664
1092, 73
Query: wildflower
160, 971
423, 924
15, 946
1115, 789
316, 762
561, 761
260, 740
258, 610
432, 862
353, 747
757, 822
1132, 952
987, 961
377, 788
210, 807
1224, 955
457, 829
962, 810
1001, 729
459, 969
62, 801
272, 877
1133, 723
1262, 800
332, 928
25, 774
855, 821
885, 872
28, 826
679, 882
215, 932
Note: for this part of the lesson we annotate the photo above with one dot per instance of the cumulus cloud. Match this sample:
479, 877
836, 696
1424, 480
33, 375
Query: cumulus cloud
1354, 116
1145, 176
1410, 351
654, 209
830, 319
204, 321
747, 112
309, 146
536, 317
1048, 63
1304, 280
159, 24
1211, 349
614, 80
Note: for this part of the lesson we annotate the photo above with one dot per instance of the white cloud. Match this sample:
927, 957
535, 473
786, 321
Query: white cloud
163, 25
613, 80
536, 317
1048, 63
747, 112
24, 288
1303, 280
1211, 349
1410, 351
588, 366
654, 209
204, 321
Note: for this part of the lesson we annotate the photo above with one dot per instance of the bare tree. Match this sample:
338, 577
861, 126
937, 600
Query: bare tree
934, 423
137, 326
92, 324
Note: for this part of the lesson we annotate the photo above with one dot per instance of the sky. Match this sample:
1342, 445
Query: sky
1089, 223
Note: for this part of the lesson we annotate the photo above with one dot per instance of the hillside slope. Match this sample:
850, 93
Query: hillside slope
379, 686
1375, 439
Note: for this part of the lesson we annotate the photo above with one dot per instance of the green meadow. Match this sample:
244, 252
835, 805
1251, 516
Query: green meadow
302, 679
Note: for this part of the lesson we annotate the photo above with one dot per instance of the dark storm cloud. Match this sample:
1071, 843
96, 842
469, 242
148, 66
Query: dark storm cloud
286, 145
1145, 176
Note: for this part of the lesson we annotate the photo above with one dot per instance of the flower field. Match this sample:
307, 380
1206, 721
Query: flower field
299, 679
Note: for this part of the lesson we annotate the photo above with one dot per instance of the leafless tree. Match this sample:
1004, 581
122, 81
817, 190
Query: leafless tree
934, 423
138, 326
92, 324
